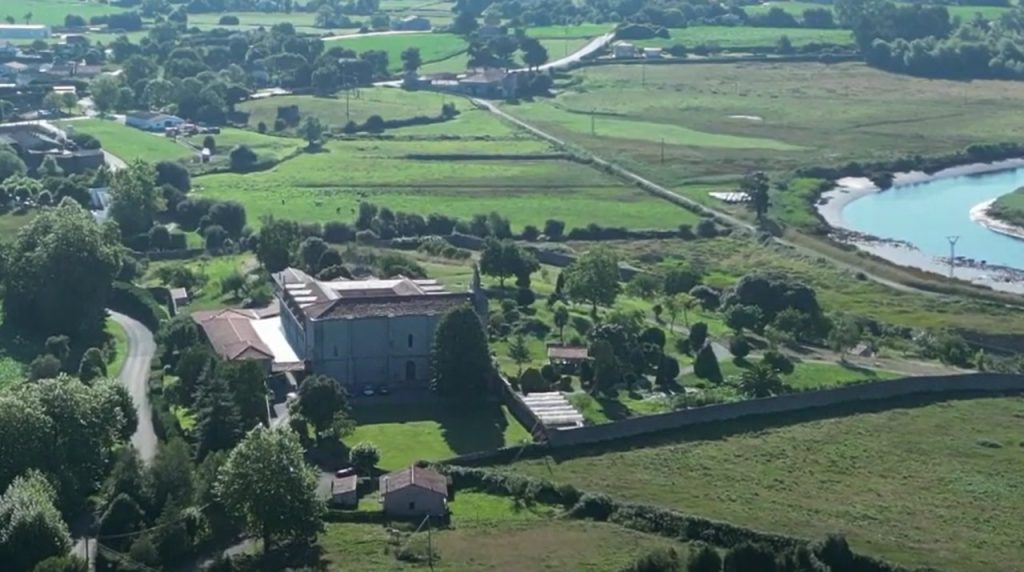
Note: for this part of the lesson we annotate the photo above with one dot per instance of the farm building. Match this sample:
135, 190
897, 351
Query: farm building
343, 491
152, 121
241, 335
366, 332
490, 83
623, 50
33, 143
24, 32
653, 53
412, 23
414, 492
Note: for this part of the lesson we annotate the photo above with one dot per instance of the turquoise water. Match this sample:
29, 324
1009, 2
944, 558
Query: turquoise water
924, 214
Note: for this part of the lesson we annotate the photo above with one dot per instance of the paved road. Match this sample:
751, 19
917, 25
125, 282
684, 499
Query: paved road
591, 47
675, 197
372, 34
135, 376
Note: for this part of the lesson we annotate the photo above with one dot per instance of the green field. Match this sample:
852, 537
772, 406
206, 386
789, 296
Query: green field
741, 37
303, 21
264, 145
794, 8
1009, 208
577, 31
387, 102
936, 485
511, 543
329, 185
433, 47
208, 296
129, 143
406, 433
52, 12
835, 113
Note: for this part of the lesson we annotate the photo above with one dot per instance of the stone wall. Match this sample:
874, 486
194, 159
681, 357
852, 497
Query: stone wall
982, 383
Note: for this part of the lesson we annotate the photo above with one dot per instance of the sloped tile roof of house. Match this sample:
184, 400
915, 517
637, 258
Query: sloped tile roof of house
391, 306
414, 477
231, 334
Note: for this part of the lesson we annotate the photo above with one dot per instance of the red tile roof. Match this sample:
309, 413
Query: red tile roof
414, 477
231, 334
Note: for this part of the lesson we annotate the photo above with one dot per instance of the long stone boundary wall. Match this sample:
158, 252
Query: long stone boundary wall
983, 383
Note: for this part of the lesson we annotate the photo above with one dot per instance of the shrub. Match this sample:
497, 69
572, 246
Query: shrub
525, 297
554, 229
739, 346
706, 228
532, 381
228, 20
707, 297
778, 362
549, 373
338, 232
530, 233
261, 127
137, 303
705, 366
593, 506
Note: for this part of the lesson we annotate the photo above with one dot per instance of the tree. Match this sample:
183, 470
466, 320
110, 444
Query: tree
174, 174
233, 283
31, 528
364, 457
58, 346
460, 359
698, 336
739, 346
105, 91
560, 315
741, 317
64, 241
519, 352
845, 334
92, 365
503, 258
761, 380
411, 60
214, 237
705, 365
268, 488
43, 367
230, 215
321, 398
247, 381
219, 425
10, 164
594, 278
312, 130
755, 185
668, 370
242, 158
68, 101
704, 558
277, 240
135, 198
534, 53
749, 557
310, 252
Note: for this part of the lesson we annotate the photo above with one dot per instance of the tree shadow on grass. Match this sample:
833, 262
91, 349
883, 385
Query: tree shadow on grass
718, 430
472, 427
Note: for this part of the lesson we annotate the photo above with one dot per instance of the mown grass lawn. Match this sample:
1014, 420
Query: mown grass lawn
329, 185
129, 143
389, 103
406, 433
922, 485
11, 223
739, 37
433, 47
264, 145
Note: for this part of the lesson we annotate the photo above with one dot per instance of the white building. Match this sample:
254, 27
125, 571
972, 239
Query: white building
623, 50
24, 32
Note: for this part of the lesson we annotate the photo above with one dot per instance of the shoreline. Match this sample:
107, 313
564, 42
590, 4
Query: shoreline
979, 214
831, 203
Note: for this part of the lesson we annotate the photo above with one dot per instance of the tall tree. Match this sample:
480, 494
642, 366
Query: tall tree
755, 185
534, 53
321, 399
460, 360
519, 352
594, 278
269, 489
312, 130
503, 259
135, 199
31, 528
364, 456
277, 241
63, 242
560, 315
105, 91
247, 382
411, 60
219, 425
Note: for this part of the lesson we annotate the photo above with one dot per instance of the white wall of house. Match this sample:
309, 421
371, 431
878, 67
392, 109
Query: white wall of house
414, 501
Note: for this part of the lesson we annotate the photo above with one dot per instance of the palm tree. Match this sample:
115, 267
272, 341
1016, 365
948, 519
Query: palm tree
761, 380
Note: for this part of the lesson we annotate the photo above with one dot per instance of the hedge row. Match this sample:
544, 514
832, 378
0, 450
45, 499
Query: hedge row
643, 518
136, 303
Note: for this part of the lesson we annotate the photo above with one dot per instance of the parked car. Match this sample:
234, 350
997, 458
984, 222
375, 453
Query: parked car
344, 472
368, 391
383, 389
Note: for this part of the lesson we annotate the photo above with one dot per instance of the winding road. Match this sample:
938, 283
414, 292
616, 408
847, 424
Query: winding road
135, 376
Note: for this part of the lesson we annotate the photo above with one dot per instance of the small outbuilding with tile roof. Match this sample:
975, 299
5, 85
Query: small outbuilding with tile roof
414, 492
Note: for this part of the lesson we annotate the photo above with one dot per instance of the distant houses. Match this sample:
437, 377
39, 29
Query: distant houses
623, 50
152, 121
33, 143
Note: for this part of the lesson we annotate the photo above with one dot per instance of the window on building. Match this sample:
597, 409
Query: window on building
412, 506
410, 371
410, 340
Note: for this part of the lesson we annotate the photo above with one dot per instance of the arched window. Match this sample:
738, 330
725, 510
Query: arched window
410, 340
410, 371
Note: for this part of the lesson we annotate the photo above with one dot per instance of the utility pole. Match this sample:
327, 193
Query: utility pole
952, 252
592, 131
663, 150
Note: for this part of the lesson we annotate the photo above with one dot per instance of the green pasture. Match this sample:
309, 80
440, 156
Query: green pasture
328, 185
585, 30
387, 102
11, 223
922, 485
794, 8
433, 47
130, 143
52, 12
303, 21
497, 541
740, 37
264, 145
471, 122
212, 270
406, 433
1009, 208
